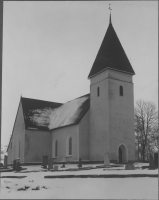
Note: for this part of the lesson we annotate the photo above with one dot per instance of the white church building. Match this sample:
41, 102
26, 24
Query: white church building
86, 127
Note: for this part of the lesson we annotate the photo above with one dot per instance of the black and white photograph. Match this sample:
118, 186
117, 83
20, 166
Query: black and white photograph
79, 105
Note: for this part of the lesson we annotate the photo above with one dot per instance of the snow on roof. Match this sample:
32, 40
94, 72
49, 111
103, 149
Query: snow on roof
44, 115
36, 112
69, 113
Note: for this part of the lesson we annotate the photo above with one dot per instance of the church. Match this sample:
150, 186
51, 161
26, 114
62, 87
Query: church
86, 127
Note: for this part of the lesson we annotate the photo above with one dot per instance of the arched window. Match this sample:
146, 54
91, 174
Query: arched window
70, 146
98, 92
121, 90
56, 148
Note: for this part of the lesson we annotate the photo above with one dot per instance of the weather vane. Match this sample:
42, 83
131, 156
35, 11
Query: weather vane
110, 13
110, 7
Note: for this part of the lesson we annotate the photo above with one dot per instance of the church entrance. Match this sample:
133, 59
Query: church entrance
122, 154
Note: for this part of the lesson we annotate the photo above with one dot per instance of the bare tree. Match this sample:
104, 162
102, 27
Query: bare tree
145, 126
155, 137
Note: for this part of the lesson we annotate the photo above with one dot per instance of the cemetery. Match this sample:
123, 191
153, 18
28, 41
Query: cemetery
37, 180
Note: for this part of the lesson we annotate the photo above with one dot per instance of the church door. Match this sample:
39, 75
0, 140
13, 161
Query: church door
120, 155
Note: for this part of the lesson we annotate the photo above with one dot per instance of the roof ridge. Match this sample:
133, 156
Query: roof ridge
77, 98
40, 100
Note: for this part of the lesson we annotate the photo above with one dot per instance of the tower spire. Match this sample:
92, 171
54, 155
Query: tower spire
111, 55
110, 13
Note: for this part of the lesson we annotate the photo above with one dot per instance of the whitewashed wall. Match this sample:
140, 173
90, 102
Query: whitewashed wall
111, 115
17, 140
37, 144
121, 114
62, 135
84, 137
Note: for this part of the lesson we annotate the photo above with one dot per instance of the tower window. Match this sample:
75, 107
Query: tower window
98, 92
121, 90
56, 148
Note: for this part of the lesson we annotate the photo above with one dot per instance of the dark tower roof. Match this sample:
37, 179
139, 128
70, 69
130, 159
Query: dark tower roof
111, 55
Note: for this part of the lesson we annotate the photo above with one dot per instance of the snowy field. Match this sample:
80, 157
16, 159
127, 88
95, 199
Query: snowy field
35, 186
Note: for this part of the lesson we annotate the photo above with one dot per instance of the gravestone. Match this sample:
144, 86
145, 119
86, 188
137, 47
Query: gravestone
56, 168
151, 161
14, 164
18, 164
45, 161
18, 168
106, 160
50, 165
63, 165
80, 163
5, 162
156, 159
129, 166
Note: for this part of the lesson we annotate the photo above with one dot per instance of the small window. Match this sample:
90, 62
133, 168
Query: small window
11, 145
98, 92
121, 90
56, 148
70, 146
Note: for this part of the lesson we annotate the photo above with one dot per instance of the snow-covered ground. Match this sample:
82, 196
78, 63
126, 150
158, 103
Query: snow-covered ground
35, 186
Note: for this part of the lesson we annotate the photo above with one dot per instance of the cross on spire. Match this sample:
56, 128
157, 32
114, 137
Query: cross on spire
110, 7
110, 12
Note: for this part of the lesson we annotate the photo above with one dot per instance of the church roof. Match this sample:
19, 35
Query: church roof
111, 55
39, 110
70, 113
44, 115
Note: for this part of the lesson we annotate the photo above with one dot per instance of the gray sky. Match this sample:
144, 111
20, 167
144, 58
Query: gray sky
49, 48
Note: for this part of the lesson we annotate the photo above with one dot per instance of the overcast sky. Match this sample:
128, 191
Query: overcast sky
49, 48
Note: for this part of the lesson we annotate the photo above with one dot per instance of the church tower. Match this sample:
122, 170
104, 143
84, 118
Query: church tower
112, 102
